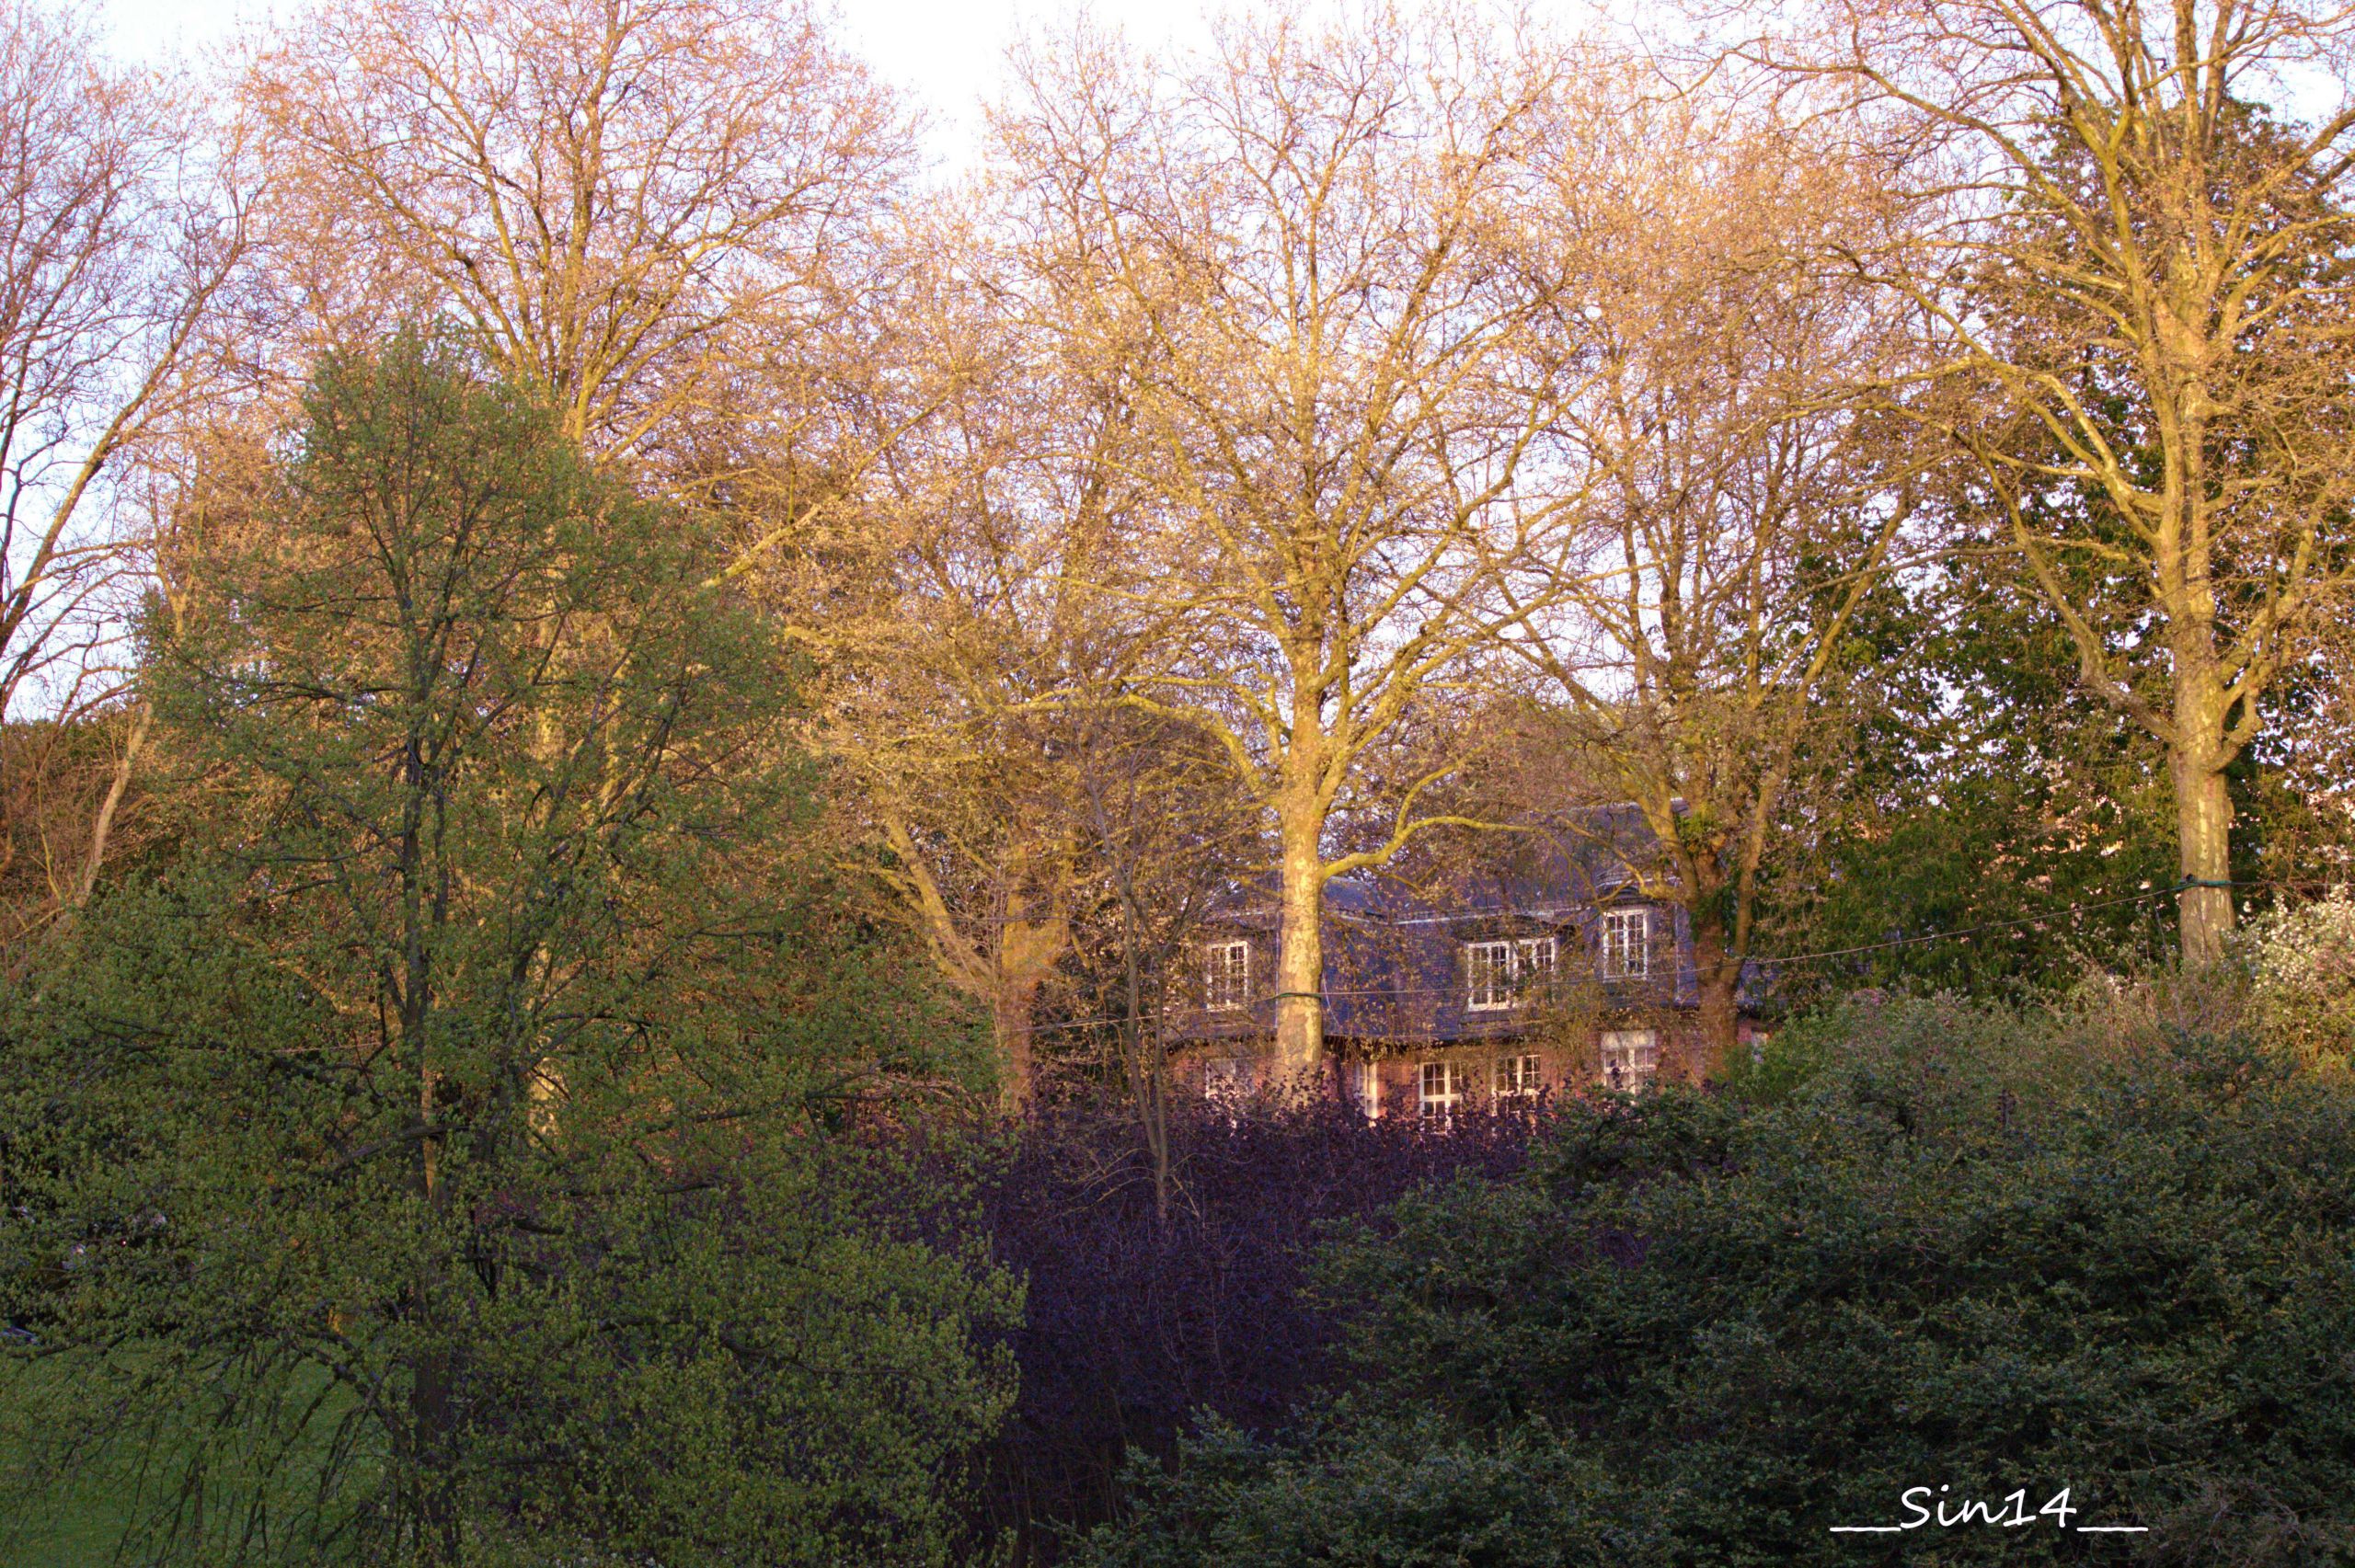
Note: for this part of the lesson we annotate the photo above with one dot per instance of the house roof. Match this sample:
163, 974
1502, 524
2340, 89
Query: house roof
1395, 964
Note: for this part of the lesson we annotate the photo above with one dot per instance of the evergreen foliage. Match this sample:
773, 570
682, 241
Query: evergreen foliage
442, 1155
1963, 1253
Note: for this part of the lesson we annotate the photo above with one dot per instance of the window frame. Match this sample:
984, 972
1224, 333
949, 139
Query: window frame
1493, 986
1449, 1099
1638, 1076
1528, 973
1488, 977
1227, 988
1517, 1075
1227, 1076
1627, 943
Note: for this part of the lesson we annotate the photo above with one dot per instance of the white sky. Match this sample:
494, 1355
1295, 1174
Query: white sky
947, 53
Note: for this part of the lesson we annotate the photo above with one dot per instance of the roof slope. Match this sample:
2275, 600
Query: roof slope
1395, 953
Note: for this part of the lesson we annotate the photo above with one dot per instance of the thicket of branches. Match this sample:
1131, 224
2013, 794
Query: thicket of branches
1361, 435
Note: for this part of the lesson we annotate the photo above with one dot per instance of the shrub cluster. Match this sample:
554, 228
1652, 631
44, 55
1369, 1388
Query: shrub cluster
2301, 980
1696, 1330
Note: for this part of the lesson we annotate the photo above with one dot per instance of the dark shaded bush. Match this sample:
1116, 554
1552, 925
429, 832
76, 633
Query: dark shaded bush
1700, 1331
1134, 1324
1416, 1493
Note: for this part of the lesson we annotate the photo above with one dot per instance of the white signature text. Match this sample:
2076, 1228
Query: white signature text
1927, 1506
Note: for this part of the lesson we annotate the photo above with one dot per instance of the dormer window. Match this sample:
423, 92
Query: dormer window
1626, 944
1501, 975
1227, 980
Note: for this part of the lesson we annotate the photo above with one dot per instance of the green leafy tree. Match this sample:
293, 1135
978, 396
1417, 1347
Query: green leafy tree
441, 1157
2001, 831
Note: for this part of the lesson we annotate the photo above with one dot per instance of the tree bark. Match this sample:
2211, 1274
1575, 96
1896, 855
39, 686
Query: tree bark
101, 830
431, 1409
2199, 749
1003, 975
1717, 976
1017, 996
1300, 959
2203, 814
1029, 944
437, 1532
1148, 1078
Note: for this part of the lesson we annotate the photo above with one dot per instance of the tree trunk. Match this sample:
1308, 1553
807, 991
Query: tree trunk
437, 1532
1718, 977
2203, 815
1300, 957
1031, 940
1148, 1074
1017, 996
86, 881
431, 1408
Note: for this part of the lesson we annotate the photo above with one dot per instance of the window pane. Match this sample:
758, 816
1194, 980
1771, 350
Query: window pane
1227, 983
1489, 970
1627, 943
1630, 1056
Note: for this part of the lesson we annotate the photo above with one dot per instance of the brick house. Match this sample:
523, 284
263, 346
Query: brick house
1559, 973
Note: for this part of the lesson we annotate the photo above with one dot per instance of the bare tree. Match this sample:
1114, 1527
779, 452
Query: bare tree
646, 207
956, 635
116, 235
1167, 839
1684, 637
2138, 265
1291, 263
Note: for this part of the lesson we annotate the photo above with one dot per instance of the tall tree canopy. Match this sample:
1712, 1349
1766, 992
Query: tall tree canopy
442, 1131
2135, 272
1297, 271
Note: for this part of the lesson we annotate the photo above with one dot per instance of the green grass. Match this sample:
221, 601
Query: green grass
78, 1512
47, 1519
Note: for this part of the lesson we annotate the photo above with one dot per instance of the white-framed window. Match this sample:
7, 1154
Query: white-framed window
1517, 1076
1489, 971
1367, 1087
1443, 1088
1626, 944
1533, 963
1227, 981
1499, 974
1630, 1056
1488, 967
1225, 1078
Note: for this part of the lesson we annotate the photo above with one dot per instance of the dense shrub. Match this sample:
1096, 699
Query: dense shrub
1957, 1255
2301, 980
1413, 1491
1134, 1324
